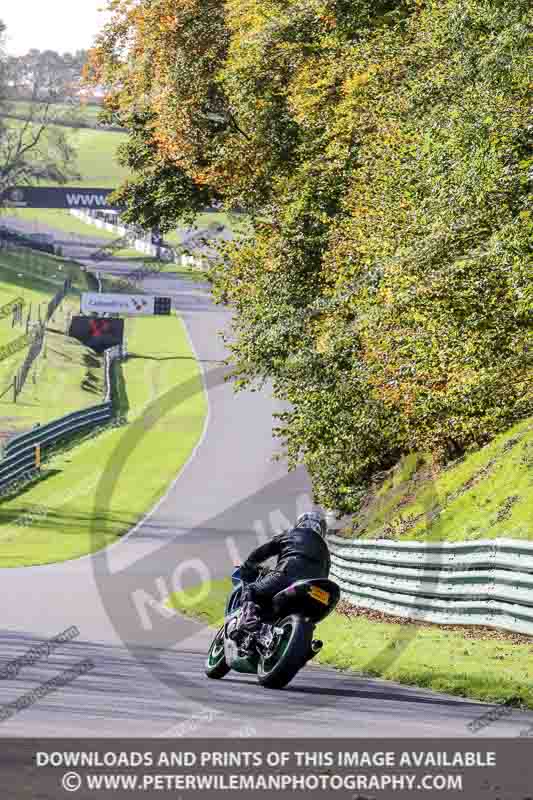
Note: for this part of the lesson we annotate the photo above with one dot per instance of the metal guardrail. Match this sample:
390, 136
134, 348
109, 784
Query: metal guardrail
9, 237
20, 452
486, 582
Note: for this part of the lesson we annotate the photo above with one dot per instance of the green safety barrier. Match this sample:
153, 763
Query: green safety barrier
486, 582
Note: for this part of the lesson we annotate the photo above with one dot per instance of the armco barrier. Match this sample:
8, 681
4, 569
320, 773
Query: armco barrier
485, 582
20, 457
20, 451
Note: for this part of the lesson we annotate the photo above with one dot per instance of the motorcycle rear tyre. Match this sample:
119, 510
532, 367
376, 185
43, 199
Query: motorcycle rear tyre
277, 673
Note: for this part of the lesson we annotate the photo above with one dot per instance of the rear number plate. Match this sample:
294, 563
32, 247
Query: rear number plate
319, 594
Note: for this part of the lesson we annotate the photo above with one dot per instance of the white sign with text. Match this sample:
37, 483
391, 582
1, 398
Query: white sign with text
129, 304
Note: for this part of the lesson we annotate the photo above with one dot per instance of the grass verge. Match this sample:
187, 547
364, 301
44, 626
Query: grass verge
147, 267
69, 513
62, 221
84, 113
485, 495
489, 669
29, 271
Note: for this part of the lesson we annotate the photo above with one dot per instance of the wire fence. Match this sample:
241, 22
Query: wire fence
32, 355
56, 301
36, 339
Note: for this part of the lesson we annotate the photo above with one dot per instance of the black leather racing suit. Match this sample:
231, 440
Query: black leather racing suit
302, 554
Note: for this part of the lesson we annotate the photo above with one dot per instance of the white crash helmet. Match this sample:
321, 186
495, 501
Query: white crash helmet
314, 520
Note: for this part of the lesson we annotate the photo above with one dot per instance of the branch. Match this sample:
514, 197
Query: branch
34, 142
236, 126
16, 152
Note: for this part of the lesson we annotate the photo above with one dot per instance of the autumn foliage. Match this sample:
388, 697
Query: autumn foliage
382, 149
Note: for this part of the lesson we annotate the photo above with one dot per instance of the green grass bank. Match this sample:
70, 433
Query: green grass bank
485, 495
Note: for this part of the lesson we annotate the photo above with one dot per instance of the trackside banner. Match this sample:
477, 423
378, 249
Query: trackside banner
126, 304
98, 333
210, 769
55, 197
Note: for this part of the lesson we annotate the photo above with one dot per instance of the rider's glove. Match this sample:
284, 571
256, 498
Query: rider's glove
249, 572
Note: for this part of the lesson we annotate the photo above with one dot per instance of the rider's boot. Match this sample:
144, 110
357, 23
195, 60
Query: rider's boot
249, 627
247, 646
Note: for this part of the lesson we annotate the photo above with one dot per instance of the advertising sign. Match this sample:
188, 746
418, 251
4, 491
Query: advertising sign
124, 304
97, 333
54, 197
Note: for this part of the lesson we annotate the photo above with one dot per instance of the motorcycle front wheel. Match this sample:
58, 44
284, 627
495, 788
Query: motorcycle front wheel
216, 666
278, 667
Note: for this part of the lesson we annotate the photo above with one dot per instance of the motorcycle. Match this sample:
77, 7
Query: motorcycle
284, 643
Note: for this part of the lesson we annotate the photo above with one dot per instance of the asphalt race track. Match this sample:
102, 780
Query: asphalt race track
147, 676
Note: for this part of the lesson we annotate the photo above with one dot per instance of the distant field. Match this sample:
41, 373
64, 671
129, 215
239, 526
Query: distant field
97, 158
84, 113
96, 161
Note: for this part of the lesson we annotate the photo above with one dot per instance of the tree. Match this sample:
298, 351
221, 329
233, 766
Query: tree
55, 76
35, 149
385, 288
139, 58
160, 194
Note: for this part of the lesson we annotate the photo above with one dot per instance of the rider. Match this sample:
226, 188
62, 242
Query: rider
302, 554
